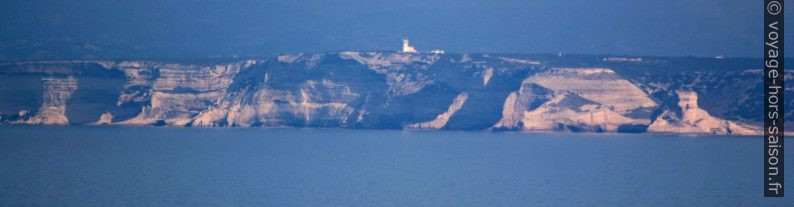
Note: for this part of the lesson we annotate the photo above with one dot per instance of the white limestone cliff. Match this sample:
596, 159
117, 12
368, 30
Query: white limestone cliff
579, 98
600, 85
367, 90
694, 120
57, 92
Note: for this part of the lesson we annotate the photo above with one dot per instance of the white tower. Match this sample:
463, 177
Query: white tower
407, 47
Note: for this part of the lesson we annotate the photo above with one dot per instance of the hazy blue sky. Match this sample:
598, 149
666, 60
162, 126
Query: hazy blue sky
185, 28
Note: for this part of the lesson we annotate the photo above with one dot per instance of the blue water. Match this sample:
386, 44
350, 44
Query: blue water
137, 166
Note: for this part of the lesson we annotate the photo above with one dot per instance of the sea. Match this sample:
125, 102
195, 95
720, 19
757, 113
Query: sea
166, 166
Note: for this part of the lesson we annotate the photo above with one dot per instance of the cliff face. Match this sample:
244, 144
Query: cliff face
387, 90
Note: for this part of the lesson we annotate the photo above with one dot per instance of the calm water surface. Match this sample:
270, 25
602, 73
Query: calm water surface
134, 166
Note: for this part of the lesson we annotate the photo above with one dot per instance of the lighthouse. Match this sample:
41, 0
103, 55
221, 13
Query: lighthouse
407, 47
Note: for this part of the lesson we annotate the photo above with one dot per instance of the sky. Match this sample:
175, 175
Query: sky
139, 29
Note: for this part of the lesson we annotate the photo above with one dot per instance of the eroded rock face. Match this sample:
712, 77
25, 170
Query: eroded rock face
528, 98
406, 73
385, 90
310, 103
600, 85
441, 120
577, 99
174, 94
56, 93
694, 120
